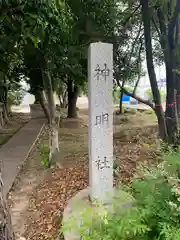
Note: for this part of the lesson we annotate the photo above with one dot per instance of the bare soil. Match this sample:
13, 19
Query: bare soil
39, 196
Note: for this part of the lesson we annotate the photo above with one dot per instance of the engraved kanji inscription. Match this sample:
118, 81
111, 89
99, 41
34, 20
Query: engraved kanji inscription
105, 72
102, 72
101, 119
102, 164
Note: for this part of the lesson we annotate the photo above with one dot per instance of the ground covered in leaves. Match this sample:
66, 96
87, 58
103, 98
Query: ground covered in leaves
135, 143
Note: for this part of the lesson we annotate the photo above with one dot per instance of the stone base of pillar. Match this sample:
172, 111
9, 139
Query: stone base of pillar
81, 202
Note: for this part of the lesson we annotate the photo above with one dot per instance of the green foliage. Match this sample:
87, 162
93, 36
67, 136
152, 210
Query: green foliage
148, 112
150, 95
84, 89
154, 215
15, 97
116, 94
44, 154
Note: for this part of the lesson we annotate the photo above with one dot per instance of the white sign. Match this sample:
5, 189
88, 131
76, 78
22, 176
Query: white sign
100, 79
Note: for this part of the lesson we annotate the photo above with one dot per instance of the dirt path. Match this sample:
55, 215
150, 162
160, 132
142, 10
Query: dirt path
30, 176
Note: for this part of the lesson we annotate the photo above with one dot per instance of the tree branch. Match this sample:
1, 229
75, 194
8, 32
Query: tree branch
134, 43
117, 74
163, 34
149, 53
156, 27
128, 18
139, 65
172, 23
177, 32
146, 102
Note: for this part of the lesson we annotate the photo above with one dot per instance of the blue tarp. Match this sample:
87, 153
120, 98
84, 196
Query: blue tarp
126, 98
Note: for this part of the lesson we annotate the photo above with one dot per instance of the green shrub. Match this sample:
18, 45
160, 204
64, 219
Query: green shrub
44, 154
150, 95
155, 214
148, 112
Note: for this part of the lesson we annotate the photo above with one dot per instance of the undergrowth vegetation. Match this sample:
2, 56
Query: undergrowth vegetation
155, 214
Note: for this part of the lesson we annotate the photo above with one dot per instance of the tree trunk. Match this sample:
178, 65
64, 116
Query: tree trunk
150, 66
6, 229
53, 134
178, 94
170, 114
5, 114
60, 101
65, 99
3, 100
171, 78
1, 117
36, 96
121, 98
6, 108
161, 123
72, 99
44, 106
169, 44
6, 99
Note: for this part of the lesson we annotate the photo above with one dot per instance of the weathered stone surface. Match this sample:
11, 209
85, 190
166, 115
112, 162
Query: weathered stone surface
100, 78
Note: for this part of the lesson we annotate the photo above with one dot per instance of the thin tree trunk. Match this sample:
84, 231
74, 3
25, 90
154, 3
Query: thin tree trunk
65, 99
139, 68
169, 43
53, 138
5, 114
150, 66
4, 101
6, 229
60, 101
121, 98
72, 99
36, 96
8, 111
161, 122
171, 64
44, 106
170, 99
1, 116
177, 74
178, 94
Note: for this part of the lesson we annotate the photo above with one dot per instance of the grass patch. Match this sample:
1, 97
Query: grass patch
148, 112
130, 110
